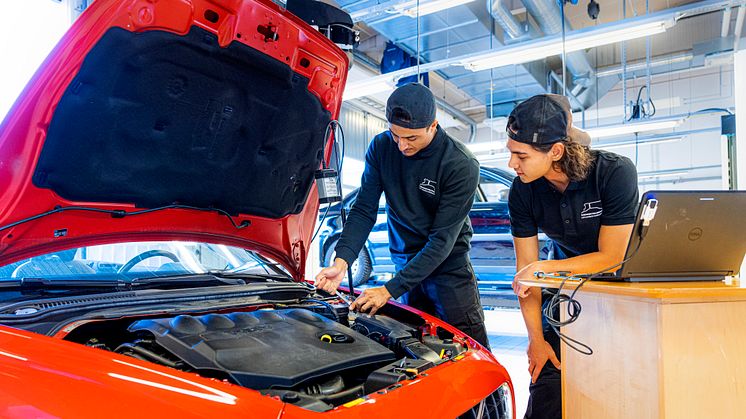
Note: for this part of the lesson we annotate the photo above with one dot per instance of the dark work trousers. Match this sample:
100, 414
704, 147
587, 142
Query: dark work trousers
453, 297
545, 395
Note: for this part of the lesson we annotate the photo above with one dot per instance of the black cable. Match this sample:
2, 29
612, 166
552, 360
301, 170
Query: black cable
326, 138
342, 211
325, 304
639, 109
573, 306
333, 123
711, 110
321, 223
123, 213
342, 157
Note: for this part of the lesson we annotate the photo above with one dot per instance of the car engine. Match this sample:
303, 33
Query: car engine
314, 356
252, 348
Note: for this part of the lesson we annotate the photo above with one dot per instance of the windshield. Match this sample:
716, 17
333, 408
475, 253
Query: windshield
133, 260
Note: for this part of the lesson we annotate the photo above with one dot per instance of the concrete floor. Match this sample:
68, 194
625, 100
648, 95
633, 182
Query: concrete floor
508, 341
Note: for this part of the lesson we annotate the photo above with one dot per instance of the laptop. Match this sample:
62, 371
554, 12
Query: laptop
688, 236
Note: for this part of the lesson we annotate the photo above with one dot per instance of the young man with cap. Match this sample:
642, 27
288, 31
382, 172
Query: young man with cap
584, 200
429, 180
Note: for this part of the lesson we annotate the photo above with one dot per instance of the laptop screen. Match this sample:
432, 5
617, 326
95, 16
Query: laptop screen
694, 234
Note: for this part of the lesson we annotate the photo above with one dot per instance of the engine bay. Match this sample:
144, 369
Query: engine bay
315, 354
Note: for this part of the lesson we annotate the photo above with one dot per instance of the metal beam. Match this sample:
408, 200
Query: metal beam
674, 14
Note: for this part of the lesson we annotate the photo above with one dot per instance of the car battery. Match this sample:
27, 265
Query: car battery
395, 372
445, 348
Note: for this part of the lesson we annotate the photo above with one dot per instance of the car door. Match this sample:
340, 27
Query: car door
492, 254
378, 242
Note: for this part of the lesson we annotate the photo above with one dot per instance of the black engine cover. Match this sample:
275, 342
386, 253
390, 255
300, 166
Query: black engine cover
265, 349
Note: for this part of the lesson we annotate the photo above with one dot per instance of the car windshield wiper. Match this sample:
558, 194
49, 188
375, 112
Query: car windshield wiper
251, 276
207, 278
123, 213
175, 281
56, 284
41, 284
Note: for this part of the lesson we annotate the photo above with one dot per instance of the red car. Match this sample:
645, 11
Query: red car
157, 200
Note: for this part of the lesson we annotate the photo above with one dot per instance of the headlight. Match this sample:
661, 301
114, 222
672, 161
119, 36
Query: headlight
504, 399
499, 405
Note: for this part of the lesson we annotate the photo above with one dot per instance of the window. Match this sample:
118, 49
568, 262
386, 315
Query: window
140, 259
491, 190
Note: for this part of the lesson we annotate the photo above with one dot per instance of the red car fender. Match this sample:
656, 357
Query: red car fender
47, 377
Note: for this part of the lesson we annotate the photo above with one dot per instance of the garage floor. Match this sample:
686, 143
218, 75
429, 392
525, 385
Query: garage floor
508, 340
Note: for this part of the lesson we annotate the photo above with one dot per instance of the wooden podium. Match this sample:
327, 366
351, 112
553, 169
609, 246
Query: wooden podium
660, 350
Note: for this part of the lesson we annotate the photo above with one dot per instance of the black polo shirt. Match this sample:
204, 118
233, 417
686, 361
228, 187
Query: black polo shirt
573, 219
428, 199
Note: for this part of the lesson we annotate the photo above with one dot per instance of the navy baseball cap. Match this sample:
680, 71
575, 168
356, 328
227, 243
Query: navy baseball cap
544, 119
411, 106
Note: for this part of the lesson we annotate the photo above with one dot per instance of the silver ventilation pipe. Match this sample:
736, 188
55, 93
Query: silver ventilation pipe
547, 14
505, 18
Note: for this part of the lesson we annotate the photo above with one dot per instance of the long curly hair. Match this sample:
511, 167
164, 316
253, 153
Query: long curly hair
576, 162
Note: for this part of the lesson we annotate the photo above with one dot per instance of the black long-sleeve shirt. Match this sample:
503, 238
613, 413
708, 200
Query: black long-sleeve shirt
428, 198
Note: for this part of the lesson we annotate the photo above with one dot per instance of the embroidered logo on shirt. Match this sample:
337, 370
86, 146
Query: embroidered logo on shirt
591, 209
428, 186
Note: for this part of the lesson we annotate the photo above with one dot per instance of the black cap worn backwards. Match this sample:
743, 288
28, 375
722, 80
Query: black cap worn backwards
411, 106
544, 119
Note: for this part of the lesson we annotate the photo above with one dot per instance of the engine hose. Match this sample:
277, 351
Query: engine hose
332, 386
346, 393
149, 355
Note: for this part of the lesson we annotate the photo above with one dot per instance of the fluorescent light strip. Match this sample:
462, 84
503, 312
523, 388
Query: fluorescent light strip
631, 128
486, 146
623, 144
660, 175
426, 8
576, 41
642, 64
506, 156
367, 88
494, 157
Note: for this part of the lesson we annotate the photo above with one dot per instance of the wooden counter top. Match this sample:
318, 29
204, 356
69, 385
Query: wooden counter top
730, 289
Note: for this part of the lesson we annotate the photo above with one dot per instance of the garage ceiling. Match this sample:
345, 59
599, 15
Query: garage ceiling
702, 33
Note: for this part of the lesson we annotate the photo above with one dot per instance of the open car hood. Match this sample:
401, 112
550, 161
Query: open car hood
216, 111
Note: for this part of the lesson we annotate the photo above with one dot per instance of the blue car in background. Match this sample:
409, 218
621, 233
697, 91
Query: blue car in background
492, 253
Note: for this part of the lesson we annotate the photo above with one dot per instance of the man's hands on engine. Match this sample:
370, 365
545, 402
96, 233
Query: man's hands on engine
371, 299
329, 278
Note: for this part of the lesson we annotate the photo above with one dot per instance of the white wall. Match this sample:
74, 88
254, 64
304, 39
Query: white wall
29, 30
690, 92
740, 84
683, 93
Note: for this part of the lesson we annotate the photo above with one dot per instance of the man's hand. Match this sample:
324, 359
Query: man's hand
539, 352
525, 274
330, 278
371, 299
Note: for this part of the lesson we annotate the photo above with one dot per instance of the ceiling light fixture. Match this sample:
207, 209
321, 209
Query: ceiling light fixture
367, 88
632, 128
632, 143
603, 34
410, 8
651, 175
493, 158
485, 147
574, 41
